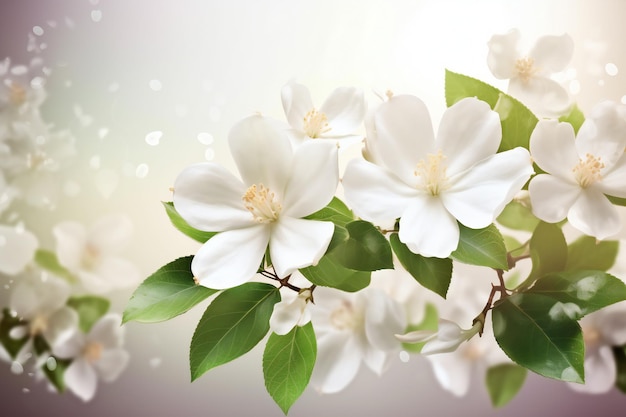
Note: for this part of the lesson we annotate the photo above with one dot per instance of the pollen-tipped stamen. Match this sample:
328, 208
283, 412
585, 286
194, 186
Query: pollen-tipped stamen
315, 124
587, 171
262, 203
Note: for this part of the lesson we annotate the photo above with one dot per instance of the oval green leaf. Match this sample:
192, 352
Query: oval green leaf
330, 273
482, 247
504, 382
182, 225
587, 253
90, 309
366, 249
336, 211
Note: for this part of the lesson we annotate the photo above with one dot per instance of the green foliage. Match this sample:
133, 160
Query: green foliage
517, 121
537, 332
330, 273
182, 225
90, 309
433, 273
575, 117
168, 292
7, 323
483, 247
336, 211
430, 322
548, 251
620, 360
587, 253
504, 382
617, 200
55, 373
517, 216
48, 260
232, 324
288, 362
366, 249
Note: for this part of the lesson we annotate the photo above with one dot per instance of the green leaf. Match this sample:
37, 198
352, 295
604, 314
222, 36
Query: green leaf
288, 363
575, 117
483, 247
433, 273
90, 309
330, 273
182, 225
340, 236
548, 251
7, 323
620, 360
55, 371
517, 216
430, 322
231, 325
517, 121
617, 200
587, 253
336, 211
533, 331
504, 382
48, 260
168, 292
365, 250
581, 292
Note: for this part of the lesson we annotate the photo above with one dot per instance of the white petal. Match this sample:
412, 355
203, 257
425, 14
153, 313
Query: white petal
61, 326
383, 319
297, 243
478, 195
552, 53
113, 273
345, 109
262, 153
614, 181
286, 315
543, 96
70, 347
31, 298
594, 215
111, 364
375, 359
452, 371
428, 229
603, 134
297, 103
112, 233
17, 249
374, 193
337, 362
231, 258
552, 197
107, 331
417, 336
404, 133
81, 379
553, 148
468, 133
313, 180
71, 239
209, 198
600, 371
503, 54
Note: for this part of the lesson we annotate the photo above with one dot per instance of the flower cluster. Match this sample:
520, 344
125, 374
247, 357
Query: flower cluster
459, 224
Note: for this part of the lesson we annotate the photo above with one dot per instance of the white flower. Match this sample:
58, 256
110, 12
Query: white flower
96, 355
352, 328
339, 116
602, 330
92, 254
529, 75
430, 183
17, 249
447, 338
278, 187
291, 311
581, 170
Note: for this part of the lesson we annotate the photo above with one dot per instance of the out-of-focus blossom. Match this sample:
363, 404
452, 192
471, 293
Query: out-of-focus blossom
17, 249
291, 311
447, 338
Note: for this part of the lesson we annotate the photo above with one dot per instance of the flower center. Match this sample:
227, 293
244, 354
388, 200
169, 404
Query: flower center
526, 68
17, 94
591, 336
344, 317
432, 173
315, 124
38, 325
587, 171
262, 203
92, 352
91, 256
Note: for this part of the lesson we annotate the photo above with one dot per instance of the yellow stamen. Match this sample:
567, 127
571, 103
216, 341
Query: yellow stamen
344, 317
432, 173
38, 325
315, 124
587, 171
526, 68
92, 352
17, 94
91, 257
262, 203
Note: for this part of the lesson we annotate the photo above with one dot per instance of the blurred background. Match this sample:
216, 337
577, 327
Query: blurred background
148, 87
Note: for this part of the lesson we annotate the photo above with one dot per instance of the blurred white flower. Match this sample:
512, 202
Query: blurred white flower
580, 170
278, 187
17, 249
529, 75
338, 117
92, 254
447, 338
291, 311
431, 183
96, 355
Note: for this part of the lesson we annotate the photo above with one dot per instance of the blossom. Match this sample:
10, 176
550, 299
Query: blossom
447, 338
353, 328
291, 312
96, 355
580, 170
529, 75
430, 183
339, 116
278, 187
17, 249
91, 254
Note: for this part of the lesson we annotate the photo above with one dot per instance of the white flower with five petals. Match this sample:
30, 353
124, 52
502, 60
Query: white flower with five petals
581, 170
430, 183
529, 75
278, 187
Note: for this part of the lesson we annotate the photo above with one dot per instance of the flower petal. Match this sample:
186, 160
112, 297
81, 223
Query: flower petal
71, 238
468, 133
552, 53
313, 181
383, 319
600, 371
297, 243
553, 148
30, 298
209, 198
286, 315
551, 197
452, 371
503, 54
70, 347
594, 215
262, 153
81, 379
603, 134
111, 233
17, 249
231, 258
111, 273
543, 96
338, 361
345, 109
297, 103
61, 325
111, 364
428, 229
107, 331
478, 195
614, 180
374, 193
